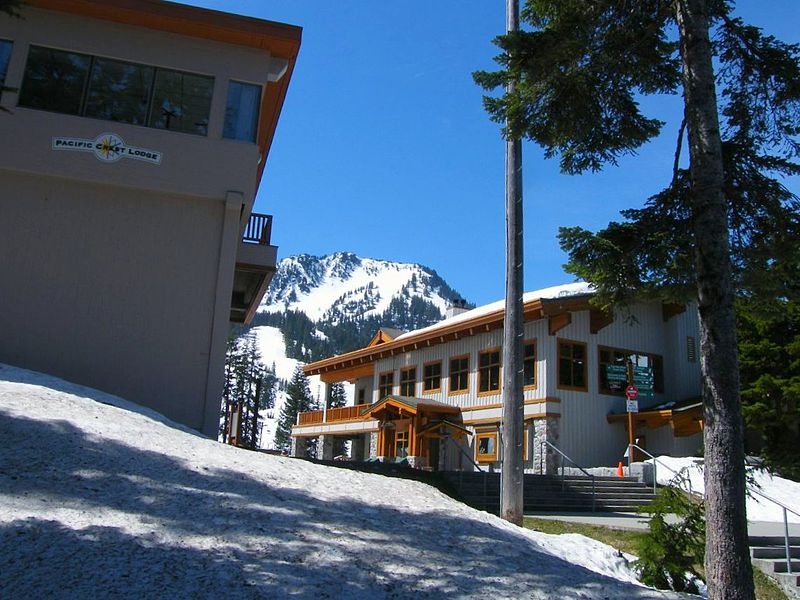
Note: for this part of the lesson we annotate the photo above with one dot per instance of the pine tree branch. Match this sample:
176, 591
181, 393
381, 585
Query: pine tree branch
679, 145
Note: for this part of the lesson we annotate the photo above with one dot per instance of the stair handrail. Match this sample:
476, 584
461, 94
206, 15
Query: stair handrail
785, 524
590, 475
477, 466
749, 489
656, 462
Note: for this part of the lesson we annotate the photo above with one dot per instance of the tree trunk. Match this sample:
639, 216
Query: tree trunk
727, 561
511, 500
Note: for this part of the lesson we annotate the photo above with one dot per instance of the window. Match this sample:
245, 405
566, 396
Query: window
432, 377
241, 111
489, 371
361, 395
459, 374
408, 381
385, 384
114, 90
5, 56
181, 102
486, 446
571, 365
529, 365
616, 356
401, 444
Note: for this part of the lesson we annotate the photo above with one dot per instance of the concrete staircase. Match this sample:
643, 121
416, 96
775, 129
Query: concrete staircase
552, 493
768, 553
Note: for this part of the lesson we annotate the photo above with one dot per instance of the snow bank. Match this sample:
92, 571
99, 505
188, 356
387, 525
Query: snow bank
100, 498
758, 509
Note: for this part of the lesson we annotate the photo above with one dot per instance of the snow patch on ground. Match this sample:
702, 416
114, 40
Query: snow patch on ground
784, 491
101, 498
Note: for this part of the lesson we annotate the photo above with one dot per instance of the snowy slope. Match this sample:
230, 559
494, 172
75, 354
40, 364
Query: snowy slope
343, 284
102, 499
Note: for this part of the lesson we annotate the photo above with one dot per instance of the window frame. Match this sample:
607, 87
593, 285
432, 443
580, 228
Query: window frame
257, 116
563, 386
487, 370
385, 379
525, 359
465, 372
406, 381
486, 457
426, 377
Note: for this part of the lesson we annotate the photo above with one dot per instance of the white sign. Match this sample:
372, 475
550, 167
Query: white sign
633, 405
107, 147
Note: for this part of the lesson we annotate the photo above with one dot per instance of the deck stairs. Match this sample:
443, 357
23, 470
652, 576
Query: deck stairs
543, 493
768, 553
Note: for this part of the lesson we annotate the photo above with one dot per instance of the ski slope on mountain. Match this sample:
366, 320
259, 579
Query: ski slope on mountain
345, 285
100, 498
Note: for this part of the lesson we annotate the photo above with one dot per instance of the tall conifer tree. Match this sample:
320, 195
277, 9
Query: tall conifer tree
578, 72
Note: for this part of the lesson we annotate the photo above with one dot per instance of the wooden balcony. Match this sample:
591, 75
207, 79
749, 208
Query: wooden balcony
334, 415
255, 264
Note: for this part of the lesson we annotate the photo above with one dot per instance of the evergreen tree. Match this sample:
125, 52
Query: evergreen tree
337, 398
578, 73
298, 399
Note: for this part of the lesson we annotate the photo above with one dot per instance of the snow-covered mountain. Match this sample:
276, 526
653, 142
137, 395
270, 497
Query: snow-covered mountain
343, 286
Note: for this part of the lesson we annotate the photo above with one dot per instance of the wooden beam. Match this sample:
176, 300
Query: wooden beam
556, 323
598, 319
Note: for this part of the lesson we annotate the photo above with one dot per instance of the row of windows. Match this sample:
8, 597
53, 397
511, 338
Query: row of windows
572, 371
432, 376
125, 92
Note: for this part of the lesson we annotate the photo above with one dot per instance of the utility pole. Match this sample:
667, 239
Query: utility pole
513, 418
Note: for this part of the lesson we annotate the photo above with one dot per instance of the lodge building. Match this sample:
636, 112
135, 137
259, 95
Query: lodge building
433, 396
132, 142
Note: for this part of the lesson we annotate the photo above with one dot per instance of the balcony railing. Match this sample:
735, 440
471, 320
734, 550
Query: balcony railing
345, 413
258, 229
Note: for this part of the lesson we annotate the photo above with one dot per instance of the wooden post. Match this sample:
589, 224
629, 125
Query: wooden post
511, 500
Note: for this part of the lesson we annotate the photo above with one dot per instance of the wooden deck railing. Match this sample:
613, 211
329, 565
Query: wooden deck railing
258, 229
345, 413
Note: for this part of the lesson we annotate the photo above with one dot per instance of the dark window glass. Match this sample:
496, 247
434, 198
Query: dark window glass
385, 384
5, 56
459, 374
489, 371
408, 382
119, 91
529, 365
432, 377
54, 80
241, 111
572, 364
181, 102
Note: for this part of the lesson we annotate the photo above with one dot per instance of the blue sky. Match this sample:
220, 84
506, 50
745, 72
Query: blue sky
384, 149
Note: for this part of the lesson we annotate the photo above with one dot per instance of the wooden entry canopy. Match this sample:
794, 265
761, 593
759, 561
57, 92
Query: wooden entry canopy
426, 419
686, 417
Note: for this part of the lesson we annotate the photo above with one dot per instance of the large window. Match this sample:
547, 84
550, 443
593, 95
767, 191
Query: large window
385, 384
619, 357
459, 375
572, 365
241, 111
529, 365
114, 90
432, 377
489, 371
408, 381
5, 56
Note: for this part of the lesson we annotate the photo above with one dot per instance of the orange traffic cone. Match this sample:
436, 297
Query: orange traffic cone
620, 470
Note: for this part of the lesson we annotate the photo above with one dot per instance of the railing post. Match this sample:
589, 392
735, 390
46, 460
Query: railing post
786, 541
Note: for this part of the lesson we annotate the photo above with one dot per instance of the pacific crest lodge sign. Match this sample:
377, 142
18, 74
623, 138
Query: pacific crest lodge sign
107, 147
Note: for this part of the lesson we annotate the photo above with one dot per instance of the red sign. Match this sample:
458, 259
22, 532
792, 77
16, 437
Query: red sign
631, 392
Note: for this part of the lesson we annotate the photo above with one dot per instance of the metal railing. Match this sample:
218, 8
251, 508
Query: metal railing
679, 477
750, 490
563, 456
258, 229
477, 466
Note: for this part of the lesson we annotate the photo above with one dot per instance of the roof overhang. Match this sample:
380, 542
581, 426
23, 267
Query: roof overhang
685, 420
407, 406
